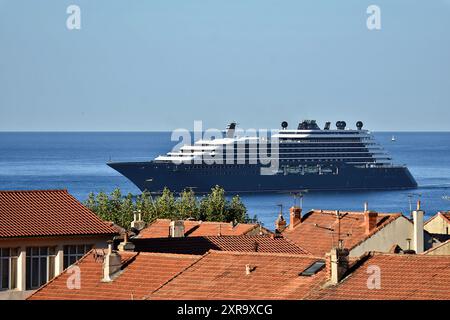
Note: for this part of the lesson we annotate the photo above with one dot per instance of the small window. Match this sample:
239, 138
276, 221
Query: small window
72, 253
8, 268
313, 268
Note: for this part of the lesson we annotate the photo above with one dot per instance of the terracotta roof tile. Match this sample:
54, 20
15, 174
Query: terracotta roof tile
46, 213
318, 231
201, 245
446, 215
160, 228
142, 273
222, 275
402, 277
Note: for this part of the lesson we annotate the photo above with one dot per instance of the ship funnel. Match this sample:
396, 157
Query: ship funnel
230, 130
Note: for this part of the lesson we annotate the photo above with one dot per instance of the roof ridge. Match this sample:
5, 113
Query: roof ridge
393, 218
436, 247
352, 212
34, 191
274, 254
167, 254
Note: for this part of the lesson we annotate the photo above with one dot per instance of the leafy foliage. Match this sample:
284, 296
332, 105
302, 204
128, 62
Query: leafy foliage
211, 207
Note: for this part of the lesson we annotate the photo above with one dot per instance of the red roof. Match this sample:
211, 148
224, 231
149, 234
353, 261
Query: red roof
444, 214
46, 213
222, 275
142, 273
160, 228
402, 277
318, 231
201, 245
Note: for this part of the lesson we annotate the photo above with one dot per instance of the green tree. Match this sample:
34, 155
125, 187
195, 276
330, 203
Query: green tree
126, 210
103, 207
212, 206
165, 205
187, 205
236, 210
91, 203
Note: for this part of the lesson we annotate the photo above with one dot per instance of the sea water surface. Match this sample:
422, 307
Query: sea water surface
77, 161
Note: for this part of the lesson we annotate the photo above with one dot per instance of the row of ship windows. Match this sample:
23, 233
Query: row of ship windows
241, 166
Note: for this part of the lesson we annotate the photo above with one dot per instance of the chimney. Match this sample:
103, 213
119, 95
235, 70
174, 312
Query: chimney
249, 268
295, 216
370, 219
177, 229
280, 223
336, 263
137, 222
125, 245
111, 264
418, 229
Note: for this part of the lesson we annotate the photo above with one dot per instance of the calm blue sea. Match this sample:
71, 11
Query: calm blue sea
76, 161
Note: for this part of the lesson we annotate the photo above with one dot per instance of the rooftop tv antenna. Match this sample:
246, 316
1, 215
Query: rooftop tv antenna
281, 208
339, 216
298, 198
410, 196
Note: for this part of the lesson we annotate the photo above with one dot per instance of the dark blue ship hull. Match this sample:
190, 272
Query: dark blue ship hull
155, 176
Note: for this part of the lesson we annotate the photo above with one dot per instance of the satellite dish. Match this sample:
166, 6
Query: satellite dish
284, 124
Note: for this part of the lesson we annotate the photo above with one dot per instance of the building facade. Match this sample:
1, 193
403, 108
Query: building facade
41, 234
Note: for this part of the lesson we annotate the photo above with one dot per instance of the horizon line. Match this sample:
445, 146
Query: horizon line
159, 131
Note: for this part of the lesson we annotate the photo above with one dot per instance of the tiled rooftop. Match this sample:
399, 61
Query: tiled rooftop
160, 229
446, 215
318, 231
222, 275
46, 213
143, 273
201, 245
402, 277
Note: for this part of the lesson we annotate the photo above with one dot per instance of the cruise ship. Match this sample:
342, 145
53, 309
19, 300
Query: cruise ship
290, 160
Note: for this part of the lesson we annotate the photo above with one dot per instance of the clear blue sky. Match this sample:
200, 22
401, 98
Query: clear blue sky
160, 65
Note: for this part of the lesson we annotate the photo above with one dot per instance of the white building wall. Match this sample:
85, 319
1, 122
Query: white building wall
396, 232
443, 250
438, 225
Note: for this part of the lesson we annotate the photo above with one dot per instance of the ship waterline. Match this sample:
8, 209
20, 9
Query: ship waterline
154, 177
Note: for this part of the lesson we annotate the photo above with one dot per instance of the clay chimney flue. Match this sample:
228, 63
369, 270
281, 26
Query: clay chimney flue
295, 217
370, 221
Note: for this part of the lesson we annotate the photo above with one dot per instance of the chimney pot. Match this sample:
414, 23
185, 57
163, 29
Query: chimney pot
280, 223
337, 262
366, 206
295, 216
137, 223
249, 269
126, 245
418, 237
177, 229
370, 221
111, 264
